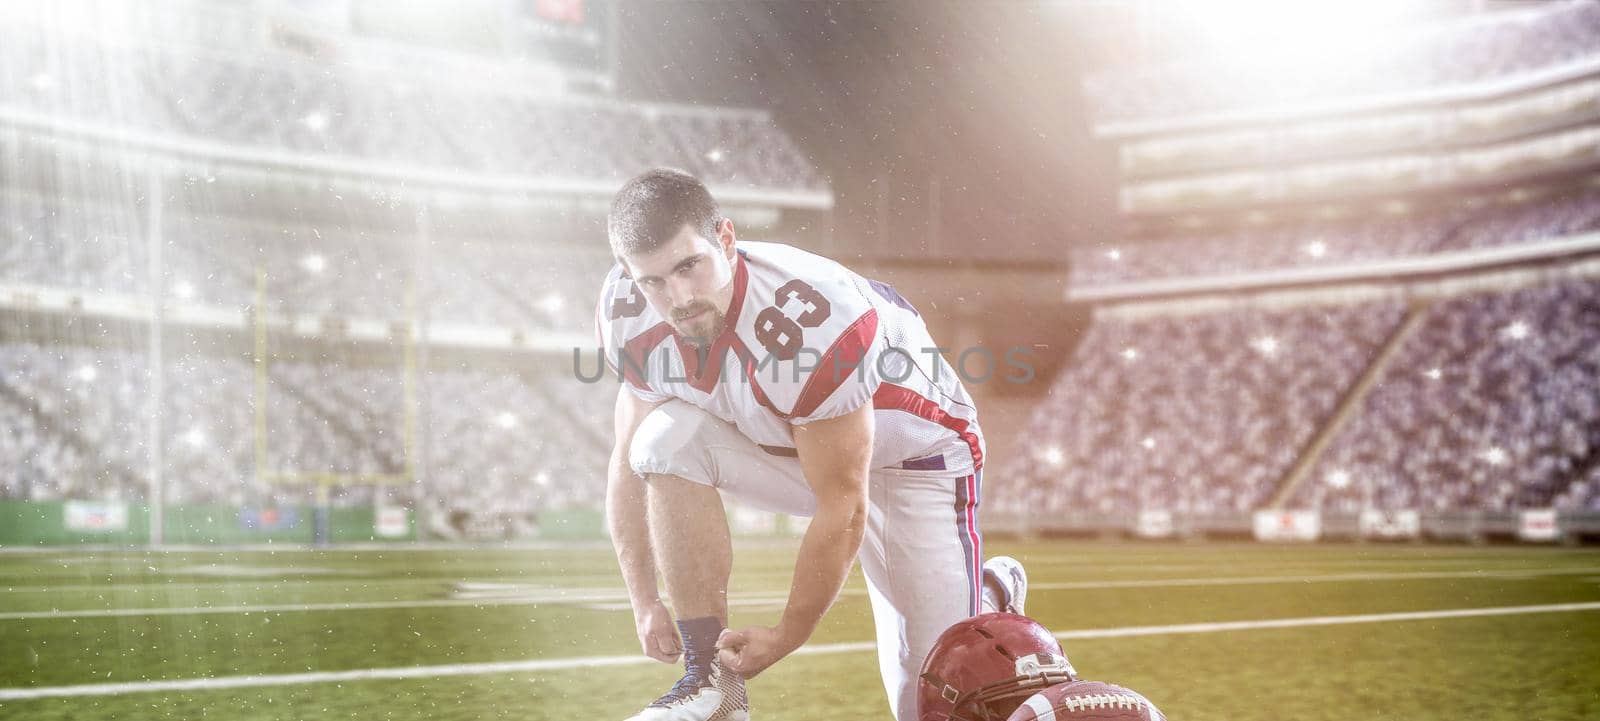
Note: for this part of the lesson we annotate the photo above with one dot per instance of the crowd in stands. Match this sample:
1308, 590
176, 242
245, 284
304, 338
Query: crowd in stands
74, 423
1456, 53
1196, 413
1490, 402
1493, 403
1307, 244
286, 104
1582, 495
514, 283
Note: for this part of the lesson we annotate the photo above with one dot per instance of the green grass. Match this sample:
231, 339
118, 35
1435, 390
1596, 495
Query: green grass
1535, 666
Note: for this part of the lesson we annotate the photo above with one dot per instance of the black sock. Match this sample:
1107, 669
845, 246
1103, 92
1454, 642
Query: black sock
700, 639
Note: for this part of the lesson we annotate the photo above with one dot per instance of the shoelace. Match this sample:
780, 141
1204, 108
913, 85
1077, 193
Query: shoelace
694, 678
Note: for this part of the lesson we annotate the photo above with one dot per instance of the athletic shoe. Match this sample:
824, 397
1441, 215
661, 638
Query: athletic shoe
707, 692
1007, 575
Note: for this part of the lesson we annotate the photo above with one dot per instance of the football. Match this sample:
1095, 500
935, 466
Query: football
1087, 700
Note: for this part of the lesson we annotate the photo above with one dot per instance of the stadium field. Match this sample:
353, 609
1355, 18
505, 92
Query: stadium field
1207, 631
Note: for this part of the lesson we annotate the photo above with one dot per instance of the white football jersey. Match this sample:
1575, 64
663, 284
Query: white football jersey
805, 339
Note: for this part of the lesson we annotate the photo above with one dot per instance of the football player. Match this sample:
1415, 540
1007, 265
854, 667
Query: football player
1007, 667
791, 383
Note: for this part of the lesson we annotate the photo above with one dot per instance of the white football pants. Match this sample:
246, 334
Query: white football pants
922, 555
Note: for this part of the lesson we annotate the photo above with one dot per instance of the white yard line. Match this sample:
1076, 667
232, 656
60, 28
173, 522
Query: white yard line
521, 582
581, 662
1225, 626
274, 583
1318, 578
587, 597
270, 548
486, 595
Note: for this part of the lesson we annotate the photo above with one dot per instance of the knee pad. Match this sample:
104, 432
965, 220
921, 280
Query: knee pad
671, 440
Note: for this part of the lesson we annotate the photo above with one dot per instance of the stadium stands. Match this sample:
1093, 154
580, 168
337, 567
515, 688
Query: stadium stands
76, 426
309, 270
1584, 495
1474, 49
1479, 223
233, 102
1493, 404
1197, 413
75, 416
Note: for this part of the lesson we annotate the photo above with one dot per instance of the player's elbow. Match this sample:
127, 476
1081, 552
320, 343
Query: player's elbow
847, 514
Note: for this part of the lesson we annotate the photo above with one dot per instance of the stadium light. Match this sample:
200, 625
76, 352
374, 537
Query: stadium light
552, 304
1149, 443
183, 289
1267, 345
1054, 456
1495, 456
194, 437
1280, 37
1114, 254
314, 263
1130, 354
715, 155
1435, 373
541, 479
87, 373
1339, 479
316, 121
506, 420
1317, 249
1517, 330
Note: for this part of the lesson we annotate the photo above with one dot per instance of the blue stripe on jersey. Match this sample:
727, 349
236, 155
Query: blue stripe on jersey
893, 296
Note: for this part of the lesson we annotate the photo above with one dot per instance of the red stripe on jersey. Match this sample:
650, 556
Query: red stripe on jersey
839, 363
900, 398
637, 354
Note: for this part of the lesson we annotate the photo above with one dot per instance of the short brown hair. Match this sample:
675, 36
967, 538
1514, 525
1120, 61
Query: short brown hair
652, 207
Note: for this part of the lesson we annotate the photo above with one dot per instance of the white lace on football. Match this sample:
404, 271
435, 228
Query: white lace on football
1100, 701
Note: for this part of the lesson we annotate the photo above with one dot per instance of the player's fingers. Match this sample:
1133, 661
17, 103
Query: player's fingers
730, 638
667, 645
730, 659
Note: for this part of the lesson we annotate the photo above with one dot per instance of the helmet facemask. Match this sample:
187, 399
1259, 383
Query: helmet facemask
1035, 672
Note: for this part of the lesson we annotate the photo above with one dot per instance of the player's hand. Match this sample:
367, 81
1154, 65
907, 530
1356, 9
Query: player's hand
657, 636
750, 651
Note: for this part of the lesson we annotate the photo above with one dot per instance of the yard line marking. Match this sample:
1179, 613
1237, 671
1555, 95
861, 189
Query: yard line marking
776, 603
304, 607
119, 551
1225, 626
573, 596
580, 662
536, 596
524, 582
297, 583
1319, 578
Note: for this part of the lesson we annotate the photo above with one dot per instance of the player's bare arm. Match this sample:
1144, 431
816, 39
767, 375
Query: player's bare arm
835, 455
630, 535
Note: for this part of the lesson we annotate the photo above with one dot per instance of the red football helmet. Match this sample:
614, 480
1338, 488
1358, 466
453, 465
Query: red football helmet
982, 668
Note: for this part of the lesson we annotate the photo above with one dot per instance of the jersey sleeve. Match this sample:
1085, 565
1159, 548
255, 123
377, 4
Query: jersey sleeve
846, 377
617, 321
